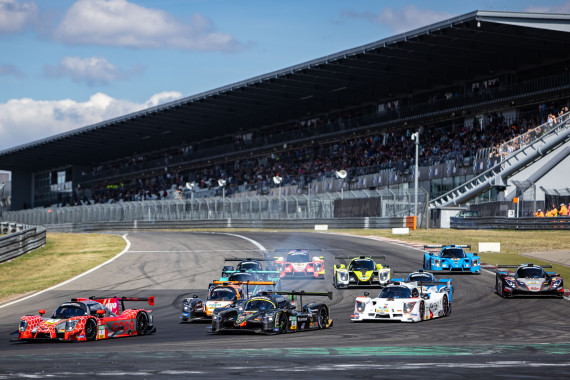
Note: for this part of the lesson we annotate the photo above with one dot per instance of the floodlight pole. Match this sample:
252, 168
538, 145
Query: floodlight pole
416, 138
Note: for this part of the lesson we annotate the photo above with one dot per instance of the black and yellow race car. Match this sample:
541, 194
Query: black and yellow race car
272, 313
361, 271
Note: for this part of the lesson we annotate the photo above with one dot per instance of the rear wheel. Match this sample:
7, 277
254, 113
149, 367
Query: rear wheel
322, 317
142, 323
90, 330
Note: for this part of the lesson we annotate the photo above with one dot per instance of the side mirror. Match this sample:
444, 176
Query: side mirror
194, 296
101, 313
425, 296
366, 294
321, 257
42, 312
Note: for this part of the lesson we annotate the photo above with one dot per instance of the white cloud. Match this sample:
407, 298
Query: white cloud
120, 23
26, 120
15, 16
399, 21
561, 8
93, 70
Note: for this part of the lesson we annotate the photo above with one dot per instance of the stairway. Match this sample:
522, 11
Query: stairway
509, 166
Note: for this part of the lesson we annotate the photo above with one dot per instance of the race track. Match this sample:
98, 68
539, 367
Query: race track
484, 336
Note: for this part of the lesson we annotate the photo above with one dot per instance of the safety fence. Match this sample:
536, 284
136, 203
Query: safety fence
505, 223
313, 224
327, 206
20, 239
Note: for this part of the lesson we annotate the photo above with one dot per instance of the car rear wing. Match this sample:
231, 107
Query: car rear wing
112, 303
246, 283
247, 259
521, 265
439, 284
286, 250
359, 257
304, 293
446, 245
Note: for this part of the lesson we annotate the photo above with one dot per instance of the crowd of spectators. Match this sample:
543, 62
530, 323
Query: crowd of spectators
301, 165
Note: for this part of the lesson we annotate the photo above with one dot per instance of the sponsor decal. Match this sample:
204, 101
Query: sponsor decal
124, 326
101, 334
81, 336
293, 320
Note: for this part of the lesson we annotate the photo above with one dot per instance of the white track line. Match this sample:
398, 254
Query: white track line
74, 278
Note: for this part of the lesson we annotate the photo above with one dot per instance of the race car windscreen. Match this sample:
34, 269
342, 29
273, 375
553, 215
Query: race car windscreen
223, 294
242, 277
298, 257
362, 265
259, 304
395, 292
68, 311
249, 265
453, 253
424, 277
530, 272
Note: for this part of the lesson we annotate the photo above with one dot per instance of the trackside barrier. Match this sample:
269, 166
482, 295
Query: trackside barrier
20, 239
506, 223
140, 225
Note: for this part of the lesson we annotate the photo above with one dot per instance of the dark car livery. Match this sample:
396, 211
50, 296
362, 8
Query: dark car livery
529, 280
271, 313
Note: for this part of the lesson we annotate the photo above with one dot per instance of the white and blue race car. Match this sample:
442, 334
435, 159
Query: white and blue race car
452, 258
412, 301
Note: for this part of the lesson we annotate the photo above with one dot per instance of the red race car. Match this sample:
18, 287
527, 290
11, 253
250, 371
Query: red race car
300, 263
92, 318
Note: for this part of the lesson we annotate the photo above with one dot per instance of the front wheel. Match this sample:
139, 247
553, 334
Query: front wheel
90, 330
446, 307
283, 323
142, 323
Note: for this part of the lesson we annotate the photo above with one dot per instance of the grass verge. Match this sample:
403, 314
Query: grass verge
64, 256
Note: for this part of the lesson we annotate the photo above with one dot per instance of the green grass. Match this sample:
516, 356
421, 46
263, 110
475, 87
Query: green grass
63, 257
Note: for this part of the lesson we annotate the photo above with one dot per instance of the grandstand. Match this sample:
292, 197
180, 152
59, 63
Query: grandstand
478, 87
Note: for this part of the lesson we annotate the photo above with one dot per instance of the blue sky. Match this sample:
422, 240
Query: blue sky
67, 64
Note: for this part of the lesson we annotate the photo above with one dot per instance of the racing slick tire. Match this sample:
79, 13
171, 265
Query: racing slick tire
322, 317
90, 330
422, 310
499, 289
142, 323
283, 323
335, 281
446, 306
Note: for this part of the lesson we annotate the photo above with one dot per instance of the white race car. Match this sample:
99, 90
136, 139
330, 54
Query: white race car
406, 302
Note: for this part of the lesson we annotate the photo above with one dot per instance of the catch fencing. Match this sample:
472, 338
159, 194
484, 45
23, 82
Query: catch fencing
326, 207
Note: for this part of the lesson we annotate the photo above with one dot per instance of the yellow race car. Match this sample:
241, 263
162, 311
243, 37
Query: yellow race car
361, 271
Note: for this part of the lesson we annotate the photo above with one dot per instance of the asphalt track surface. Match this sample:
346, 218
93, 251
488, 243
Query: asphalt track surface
484, 336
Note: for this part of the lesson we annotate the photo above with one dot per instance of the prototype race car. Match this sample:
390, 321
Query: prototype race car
251, 265
86, 319
361, 270
529, 280
406, 302
425, 279
300, 263
220, 294
451, 258
271, 313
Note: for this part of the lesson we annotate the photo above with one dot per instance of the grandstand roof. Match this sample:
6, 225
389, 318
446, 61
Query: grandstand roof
463, 48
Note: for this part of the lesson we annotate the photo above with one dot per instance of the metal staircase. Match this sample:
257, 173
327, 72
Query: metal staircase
509, 166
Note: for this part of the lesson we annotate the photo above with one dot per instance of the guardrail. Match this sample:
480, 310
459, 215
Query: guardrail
337, 223
505, 223
20, 239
